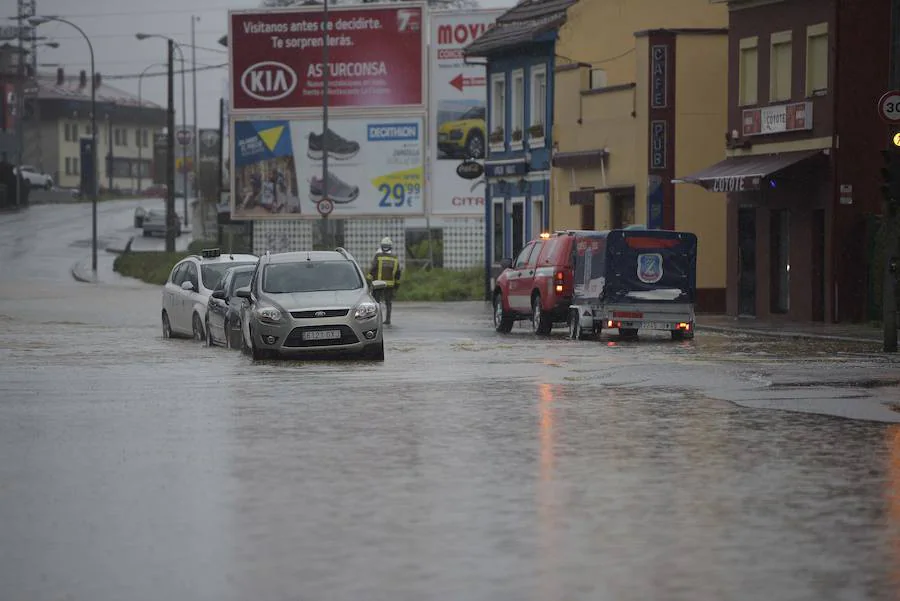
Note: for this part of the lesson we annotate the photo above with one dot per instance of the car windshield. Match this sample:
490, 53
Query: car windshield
213, 273
308, 276
476, 112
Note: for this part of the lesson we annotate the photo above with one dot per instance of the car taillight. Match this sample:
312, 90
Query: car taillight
559, 277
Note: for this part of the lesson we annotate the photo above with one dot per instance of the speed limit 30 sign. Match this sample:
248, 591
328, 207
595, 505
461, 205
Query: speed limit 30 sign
889, 106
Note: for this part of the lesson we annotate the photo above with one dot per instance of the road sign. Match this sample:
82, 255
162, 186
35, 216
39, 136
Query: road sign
186, 136
325, 207
889, 106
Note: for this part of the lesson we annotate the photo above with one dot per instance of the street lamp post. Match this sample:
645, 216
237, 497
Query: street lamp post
141, 111
34, 22
146, 36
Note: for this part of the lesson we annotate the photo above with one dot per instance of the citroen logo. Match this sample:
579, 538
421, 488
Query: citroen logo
320, 313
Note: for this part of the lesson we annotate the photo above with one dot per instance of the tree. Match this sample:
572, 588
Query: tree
443, 4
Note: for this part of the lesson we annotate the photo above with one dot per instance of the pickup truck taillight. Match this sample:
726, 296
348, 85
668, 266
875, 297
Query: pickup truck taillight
559, 280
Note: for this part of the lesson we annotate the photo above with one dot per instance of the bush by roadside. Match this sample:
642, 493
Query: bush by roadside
151, 267
435, 285
438, 285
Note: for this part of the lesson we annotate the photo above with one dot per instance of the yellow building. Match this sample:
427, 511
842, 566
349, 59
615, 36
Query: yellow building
641, 92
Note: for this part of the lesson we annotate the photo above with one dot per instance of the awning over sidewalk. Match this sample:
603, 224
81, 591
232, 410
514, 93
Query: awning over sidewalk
580, 159
745, 173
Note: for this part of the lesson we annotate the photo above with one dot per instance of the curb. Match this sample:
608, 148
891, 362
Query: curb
76, 275
774, 334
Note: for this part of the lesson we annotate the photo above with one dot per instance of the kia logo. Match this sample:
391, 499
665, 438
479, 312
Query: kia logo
268, 80
320, 313
469, 170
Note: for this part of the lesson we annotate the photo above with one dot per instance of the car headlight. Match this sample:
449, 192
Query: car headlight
270, 314
366, 310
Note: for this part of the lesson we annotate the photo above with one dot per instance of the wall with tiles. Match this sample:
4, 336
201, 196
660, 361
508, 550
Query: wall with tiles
463, 238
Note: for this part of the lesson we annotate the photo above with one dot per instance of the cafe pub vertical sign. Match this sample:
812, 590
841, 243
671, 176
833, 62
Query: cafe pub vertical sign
661, 162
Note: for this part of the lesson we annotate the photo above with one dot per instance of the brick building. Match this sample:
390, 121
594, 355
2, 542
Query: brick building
801, 169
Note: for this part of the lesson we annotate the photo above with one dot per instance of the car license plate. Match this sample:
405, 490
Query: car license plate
322, 335
656, 325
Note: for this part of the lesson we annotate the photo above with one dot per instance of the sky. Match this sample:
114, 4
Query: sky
112, 24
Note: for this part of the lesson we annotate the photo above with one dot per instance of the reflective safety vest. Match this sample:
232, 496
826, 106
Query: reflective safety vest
386, 268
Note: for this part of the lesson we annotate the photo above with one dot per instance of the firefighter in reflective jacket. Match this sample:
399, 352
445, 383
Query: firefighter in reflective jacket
386, 267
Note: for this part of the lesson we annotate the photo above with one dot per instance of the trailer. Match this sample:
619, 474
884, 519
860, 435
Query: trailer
634, 280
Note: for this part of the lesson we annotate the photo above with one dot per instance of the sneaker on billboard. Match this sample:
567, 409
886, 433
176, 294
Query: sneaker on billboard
339, 191
338, 147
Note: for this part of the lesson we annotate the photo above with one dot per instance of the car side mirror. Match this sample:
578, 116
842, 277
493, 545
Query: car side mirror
219, 294
379, 285
242, 293
506, 263
188, 285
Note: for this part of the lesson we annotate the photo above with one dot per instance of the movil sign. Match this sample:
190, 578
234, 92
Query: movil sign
268, 81
452, 39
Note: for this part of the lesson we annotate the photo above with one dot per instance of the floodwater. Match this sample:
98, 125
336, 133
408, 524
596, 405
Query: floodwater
469, 465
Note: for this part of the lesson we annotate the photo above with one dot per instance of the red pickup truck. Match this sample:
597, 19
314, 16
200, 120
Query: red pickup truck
538, 285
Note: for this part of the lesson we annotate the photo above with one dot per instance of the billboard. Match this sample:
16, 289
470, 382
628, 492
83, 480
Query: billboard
375, 168
458, 101
376, 57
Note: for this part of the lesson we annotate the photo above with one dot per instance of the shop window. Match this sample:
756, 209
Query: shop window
517, 106
537, 218
780, 63
498, 231
749, 71
816, 59
498, 108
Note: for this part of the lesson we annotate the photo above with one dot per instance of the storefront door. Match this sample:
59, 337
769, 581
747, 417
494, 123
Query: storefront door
747, 261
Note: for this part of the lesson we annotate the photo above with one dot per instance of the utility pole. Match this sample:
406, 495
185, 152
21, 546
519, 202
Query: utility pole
37, 135
326, 225
170, 155
25, 11
891, 174
196, 169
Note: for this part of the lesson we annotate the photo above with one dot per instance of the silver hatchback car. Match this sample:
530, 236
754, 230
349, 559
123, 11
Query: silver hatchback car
310, 302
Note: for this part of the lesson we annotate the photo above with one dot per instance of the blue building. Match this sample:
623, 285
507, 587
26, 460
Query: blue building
518, 51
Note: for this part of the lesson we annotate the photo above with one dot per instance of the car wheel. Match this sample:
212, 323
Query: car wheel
540, 321
374, 352
475, 145
166, 326
209, 336
48, 186
197, 327
503, 323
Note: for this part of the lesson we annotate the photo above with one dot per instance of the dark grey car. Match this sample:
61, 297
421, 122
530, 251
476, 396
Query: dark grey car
223, 311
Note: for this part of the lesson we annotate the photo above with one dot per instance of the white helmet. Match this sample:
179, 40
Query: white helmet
386, 244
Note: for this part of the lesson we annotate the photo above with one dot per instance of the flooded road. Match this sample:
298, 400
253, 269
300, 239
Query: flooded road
469, 465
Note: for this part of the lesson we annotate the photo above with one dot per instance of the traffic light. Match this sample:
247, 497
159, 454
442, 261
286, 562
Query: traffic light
890, 175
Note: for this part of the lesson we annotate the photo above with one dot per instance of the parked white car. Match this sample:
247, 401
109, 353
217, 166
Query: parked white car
35, 177
185, 295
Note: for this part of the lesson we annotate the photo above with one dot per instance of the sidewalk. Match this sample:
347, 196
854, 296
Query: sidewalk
783, 328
